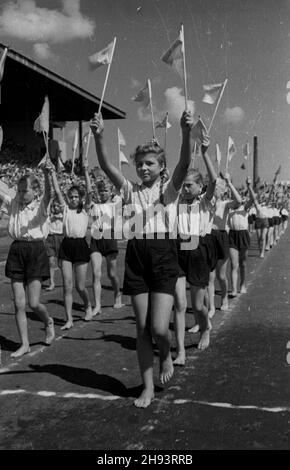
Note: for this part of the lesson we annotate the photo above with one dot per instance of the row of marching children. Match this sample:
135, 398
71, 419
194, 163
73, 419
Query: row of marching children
158, 263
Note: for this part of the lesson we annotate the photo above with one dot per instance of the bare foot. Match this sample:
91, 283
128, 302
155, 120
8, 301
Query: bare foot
89, 313
145, 399
243, 290
51, 287
96, 310
118, 302
166, 369
21, 351
262, 255
204, 339
194, 329
225, 304
67, 326
211, 312
180, 359
49, 332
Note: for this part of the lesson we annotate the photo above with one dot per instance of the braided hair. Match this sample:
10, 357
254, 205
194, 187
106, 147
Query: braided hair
152, 146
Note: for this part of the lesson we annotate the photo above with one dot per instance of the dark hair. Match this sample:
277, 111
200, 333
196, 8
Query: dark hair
152, 146
197, 176
81, 194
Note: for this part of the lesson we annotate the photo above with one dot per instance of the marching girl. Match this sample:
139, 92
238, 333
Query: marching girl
239, 243
74, 253
220, 231
54, 239
194, 225
103, 242
27, 262
151, 266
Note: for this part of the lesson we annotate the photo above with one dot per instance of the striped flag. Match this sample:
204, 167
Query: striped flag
231, 149
102, 57
164, 123
211, 92
199, 131
174, 55
143, 96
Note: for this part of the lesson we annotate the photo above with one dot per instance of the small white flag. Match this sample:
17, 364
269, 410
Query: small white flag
121, 139
41, 124
76, 140
164, 123
102, 58
211, 92
218, 154
246, 151
123, 158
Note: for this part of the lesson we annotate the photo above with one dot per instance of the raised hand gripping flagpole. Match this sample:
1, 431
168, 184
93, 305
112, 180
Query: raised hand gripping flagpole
102, 97
217, 105
151, 106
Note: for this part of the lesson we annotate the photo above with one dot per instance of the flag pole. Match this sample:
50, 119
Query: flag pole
151, 107
119, 152
46, 145
73, 162
102, 97
216, 108
193, 155
227, 162
184, 66
165, 137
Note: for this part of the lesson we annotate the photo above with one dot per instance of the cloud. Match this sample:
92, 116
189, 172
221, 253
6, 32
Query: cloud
24, 20
175, 104
42, 51
234, 115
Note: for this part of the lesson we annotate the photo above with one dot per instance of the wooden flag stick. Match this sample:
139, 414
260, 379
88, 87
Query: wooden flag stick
151, 106
45, 138
73, 162
217, 105
119, 158
165, 137
184, 66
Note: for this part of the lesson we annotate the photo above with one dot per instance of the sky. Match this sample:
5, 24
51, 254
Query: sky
245, 41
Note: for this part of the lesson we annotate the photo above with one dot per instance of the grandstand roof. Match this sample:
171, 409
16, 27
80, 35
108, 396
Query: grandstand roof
25, 84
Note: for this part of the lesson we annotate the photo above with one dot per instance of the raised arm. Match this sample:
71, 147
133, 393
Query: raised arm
97, 127
253, 196
57, 188
88, 183
237, 199
209, 167
186, 123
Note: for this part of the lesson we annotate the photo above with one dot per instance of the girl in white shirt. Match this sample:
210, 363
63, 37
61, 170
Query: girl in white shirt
103, 242
74, 252
27, 262
151, 266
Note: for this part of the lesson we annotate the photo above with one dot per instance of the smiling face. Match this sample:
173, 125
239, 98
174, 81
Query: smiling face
148, 168
191, 188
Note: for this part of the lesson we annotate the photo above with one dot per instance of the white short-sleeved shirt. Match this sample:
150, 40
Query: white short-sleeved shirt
144, 213
262, 211
196, 218
75, 223
55, 224
27, 222
238, 219
284, 211
103, 215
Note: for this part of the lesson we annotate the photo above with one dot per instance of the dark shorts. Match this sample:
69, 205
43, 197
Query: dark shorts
150, 266
27, 261
284, 217
276, 220
239, 239
250, 219
271, 221
52, 244
261, 223
193, 264
75, 250
222, 243
104, 246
